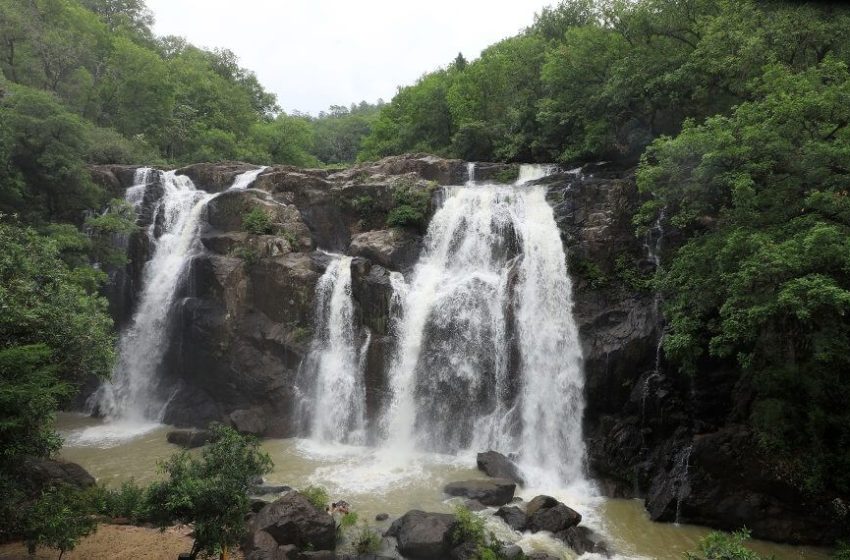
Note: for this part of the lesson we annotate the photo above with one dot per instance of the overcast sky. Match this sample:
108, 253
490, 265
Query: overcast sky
315, 53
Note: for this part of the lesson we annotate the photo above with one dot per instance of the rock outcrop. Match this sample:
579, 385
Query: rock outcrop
423, 536
293, 520
493, 463
493, 492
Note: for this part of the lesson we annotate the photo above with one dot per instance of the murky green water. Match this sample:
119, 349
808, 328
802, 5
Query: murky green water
375, 481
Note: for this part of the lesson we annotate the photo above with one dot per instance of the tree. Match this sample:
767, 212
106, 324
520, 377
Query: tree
54, 331
211, 491
761, 280
59, 518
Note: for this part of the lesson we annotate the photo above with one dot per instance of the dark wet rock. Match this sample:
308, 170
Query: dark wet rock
465, 551
474, 505
257, 504
582, 540
547, 514
266, 489
494, 464
188, 439
540, 556
50, 472
540, 502
292, 519
395, 249
248, 421
758, 497
491, 492
423, 536
215, 177
382, 517
514, 517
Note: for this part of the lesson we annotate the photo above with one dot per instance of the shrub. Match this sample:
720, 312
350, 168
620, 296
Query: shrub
724, 546
411, 207
129, 501
317, 496
258, 222
211, 492
508, 175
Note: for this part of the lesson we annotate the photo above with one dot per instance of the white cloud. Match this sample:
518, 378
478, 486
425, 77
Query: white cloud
316, 53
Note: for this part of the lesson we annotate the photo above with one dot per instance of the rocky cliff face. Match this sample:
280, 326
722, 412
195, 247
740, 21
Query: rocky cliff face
245, 316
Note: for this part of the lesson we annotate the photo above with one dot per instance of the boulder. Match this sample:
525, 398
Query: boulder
248, 422
188, 439
514, 517
262, 546
493, 492
394, 249
266, 489
292, 519
474, 505
582, 540
49, 472
465, 551
546, 516
493, 463
382, 517
422, 535
540, 502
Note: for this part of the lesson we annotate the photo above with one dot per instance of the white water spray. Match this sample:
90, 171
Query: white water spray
335, 364
487, 351
245, 180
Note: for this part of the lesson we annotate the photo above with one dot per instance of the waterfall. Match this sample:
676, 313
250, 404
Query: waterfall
333, 370
653, 244
245, 180
487, 352
134, 393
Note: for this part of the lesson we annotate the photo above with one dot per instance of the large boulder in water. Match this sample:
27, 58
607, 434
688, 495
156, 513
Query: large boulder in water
493, 492
514, 517
548, 514
188, 439
422, 535
292, 519
494, 464
582, 540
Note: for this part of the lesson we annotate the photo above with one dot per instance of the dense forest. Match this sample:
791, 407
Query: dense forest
735, 114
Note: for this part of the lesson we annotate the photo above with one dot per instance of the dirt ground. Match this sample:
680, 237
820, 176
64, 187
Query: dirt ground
116, 542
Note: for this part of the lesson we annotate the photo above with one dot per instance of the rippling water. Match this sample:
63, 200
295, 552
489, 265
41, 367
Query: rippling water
377, 481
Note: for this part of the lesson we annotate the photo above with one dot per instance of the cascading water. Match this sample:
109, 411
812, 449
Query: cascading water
332, 374
133, 394
245, 180
487, 351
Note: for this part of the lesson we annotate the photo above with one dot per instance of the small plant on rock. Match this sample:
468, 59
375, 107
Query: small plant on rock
317, 496
258, 222
367, 541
